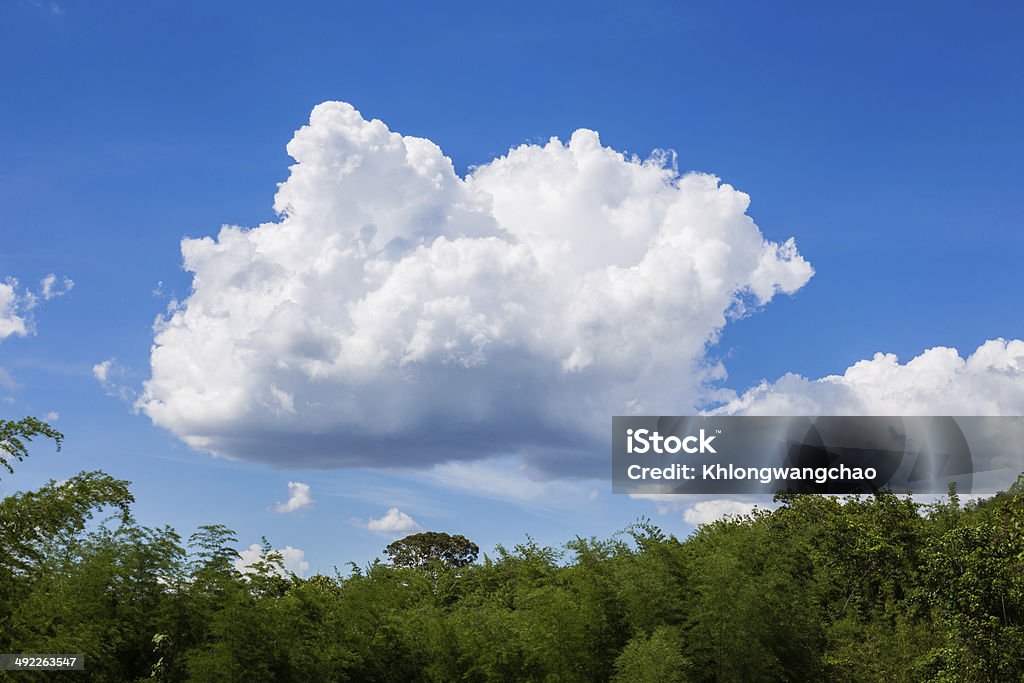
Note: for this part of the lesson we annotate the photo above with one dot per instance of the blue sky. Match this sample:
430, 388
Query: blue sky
885, 140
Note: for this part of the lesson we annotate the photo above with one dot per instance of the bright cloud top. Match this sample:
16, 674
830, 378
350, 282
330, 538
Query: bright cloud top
398, 314
299, 498
394, 521
989, 381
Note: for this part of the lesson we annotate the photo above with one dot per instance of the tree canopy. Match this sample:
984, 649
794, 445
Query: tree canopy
423, 550
866, 588
15, 436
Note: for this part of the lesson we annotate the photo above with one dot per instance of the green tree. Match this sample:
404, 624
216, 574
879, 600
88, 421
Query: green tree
15, 436
653, 659
39, 522
424, 550
974, 578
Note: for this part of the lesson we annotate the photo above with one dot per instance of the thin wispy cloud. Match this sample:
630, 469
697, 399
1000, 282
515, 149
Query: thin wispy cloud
110, 374
7, 381
51, 286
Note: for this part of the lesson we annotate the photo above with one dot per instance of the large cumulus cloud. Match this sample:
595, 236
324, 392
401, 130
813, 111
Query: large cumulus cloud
398, 314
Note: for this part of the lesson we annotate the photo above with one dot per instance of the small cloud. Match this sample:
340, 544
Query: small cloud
247, 558
52, 416
102, 370
299, 498
106, 373
592, 495
6, 381
704, 510
708, 511
394, 521
51, 287
292, 560
13, 320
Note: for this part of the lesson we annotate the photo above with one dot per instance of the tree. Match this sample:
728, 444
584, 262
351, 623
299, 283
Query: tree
421, 551
15, 436
49, 568
974, 578
653, 659
35, 522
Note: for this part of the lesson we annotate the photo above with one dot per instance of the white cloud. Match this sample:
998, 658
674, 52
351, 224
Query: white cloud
52, 416
13, 320
299, 498
400, 315
51, 287
249, 557
939, 381
293, 560
989, 381
101, 370
511, 480
394, 521
17, 304
502, 478
702, 508
107, 373
707, 511
6, 381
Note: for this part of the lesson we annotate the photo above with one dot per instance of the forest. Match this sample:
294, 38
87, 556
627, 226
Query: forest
861, 588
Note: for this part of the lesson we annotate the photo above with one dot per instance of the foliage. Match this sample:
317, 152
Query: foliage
874, 588
16, 435
420, 551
